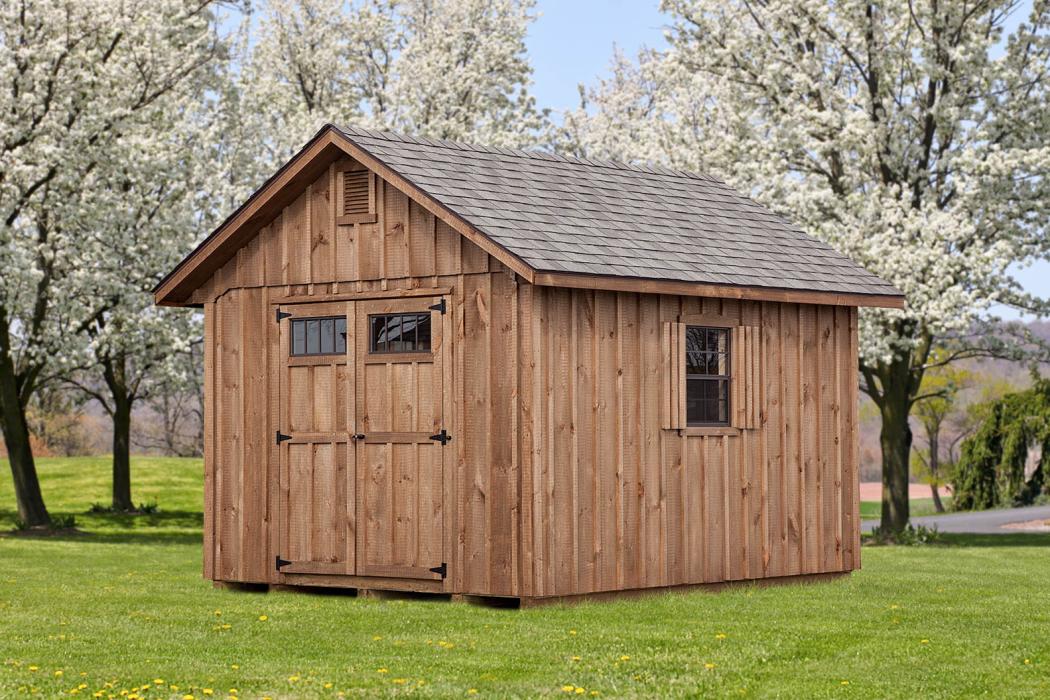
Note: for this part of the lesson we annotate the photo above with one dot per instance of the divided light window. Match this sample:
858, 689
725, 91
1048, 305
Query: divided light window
319, 336
707, 375
399, 332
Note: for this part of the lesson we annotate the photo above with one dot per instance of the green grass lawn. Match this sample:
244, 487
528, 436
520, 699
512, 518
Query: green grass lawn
125, 607
917, 507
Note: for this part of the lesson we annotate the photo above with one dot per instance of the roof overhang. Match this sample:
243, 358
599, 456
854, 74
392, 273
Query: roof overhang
331, 144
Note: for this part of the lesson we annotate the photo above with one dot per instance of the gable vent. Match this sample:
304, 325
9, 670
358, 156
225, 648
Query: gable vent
356, 195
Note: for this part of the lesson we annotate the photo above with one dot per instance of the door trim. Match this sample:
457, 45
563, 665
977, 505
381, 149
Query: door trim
367, 296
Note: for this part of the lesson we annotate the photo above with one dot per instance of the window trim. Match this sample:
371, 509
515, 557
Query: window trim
727, 378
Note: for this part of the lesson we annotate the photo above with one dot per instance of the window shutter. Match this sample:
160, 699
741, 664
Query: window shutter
745, 387
357, 197
673, 401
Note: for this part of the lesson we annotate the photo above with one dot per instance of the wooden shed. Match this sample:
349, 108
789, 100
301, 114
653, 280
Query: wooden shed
436, 366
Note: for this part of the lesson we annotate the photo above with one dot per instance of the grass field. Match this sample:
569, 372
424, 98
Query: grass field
123, 608
916, 507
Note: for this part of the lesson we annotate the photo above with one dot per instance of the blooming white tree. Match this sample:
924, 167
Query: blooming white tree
914, 136
132, 347
453, 69
81, 79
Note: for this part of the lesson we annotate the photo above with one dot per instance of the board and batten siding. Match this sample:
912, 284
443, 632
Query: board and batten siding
563, 479
613, 501
303, 255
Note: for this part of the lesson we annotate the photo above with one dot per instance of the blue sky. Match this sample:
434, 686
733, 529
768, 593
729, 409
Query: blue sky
572, 41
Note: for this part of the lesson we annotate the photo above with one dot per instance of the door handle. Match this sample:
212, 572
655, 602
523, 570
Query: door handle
357, 436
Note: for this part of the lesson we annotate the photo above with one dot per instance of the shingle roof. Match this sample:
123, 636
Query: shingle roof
561, 214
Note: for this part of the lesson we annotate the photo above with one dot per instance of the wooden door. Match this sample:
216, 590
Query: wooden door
316, 413
400, 451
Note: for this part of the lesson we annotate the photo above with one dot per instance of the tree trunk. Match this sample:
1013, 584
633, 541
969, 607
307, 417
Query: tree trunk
895, 439
935, 489
935, 466
114, 371
31, 508
122, 454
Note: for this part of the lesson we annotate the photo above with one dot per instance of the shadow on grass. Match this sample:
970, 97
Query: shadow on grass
162, 528
1011, 539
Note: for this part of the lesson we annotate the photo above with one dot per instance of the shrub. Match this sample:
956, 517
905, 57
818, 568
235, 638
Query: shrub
911, 536
991, 470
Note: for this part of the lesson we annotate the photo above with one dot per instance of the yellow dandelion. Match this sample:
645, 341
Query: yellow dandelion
58, 674
327, 685
293, 679
1028, 662
173, 687
720, 635
97, 694
709, 665
575, 658
844, 683
187, 697
376, 638
924, 641
572, 632
207, 691
400, 681
580, 691
34, 669
158, 681
472, 691
235, 666
595, 693
263, 618
226, 626
218, 613
382, 670
232, 691
568, 688
625, 657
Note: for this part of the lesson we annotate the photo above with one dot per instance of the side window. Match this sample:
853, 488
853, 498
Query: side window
713, 376
318, 336
707, 375
399, 333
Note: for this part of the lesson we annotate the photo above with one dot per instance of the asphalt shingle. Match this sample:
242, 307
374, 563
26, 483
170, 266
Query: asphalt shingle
562, 214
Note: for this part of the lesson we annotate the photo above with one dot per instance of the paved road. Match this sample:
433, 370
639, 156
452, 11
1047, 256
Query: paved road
980, 522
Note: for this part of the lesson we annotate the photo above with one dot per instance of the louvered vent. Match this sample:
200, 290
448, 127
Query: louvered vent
355, 192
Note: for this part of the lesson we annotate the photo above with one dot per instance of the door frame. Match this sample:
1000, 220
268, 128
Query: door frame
450, 400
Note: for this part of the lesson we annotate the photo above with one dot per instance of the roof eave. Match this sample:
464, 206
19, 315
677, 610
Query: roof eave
648, 285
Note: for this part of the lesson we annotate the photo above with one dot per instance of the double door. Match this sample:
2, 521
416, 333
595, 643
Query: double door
362, 438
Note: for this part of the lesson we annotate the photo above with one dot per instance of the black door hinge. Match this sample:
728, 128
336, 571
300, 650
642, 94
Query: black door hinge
281, 437
282, 315
440, 306
443, 570
281, 562
442, 437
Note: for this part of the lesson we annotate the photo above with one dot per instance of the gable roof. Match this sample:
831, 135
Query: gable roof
580, 222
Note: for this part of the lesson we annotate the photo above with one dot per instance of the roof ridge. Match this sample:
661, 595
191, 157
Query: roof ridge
533, 154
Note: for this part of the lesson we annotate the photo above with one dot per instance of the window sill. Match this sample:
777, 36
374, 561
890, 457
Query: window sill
711, 431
